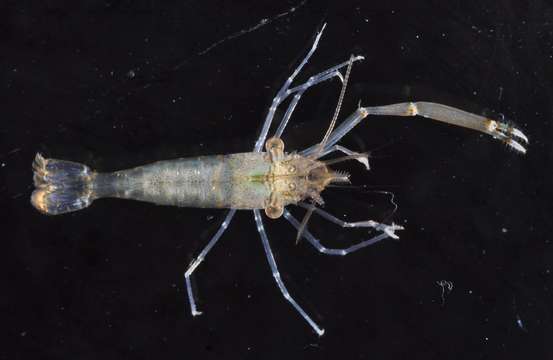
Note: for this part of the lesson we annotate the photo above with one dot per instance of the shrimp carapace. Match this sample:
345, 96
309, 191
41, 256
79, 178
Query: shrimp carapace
294, 178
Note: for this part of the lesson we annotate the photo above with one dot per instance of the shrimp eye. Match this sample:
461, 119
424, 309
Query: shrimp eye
292, 169
274, 144
274, 212
292, 186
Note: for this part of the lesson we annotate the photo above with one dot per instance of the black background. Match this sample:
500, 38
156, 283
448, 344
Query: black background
116, 84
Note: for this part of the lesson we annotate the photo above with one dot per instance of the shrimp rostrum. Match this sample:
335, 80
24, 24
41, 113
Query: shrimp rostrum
267, 178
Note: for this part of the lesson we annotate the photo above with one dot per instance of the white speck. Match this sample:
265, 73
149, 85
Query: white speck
474, 92
23, 333
520, 324
3, 164
131, 74
504, 230
366, 20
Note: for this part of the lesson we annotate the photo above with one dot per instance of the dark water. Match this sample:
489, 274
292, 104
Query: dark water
118, 84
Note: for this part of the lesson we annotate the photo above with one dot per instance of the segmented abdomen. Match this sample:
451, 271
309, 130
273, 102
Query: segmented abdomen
222, 181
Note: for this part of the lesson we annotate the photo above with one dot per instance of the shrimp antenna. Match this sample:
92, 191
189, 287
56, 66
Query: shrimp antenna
323, 142
345, 158
337, 111
303, 224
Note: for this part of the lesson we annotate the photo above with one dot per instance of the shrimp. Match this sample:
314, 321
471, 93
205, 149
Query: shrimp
269, 180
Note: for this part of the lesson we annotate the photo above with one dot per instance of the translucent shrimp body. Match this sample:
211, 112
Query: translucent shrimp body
267, 180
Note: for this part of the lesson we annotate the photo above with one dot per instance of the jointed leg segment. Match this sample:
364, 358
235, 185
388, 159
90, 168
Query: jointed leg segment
276, 274
300, 89
342, 252
345, 127
388, 229
282, 94
363, 159
198, 260
286, 91
508, 134
288, 114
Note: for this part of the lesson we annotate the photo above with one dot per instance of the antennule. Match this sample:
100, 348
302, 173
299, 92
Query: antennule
345, 158
340, 177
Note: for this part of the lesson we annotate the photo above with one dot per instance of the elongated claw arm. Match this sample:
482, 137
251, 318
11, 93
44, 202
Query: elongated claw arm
508, 134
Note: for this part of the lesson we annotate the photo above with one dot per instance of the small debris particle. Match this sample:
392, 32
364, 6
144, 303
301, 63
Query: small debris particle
446, 286
520, 324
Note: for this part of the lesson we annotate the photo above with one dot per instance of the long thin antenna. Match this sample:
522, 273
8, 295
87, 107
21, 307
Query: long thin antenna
337, 111
303, 224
